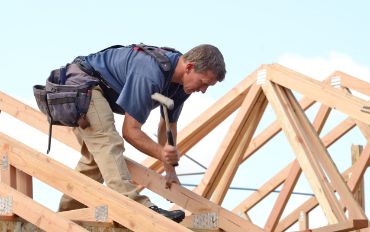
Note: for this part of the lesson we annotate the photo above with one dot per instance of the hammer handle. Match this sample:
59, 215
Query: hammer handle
171, 141
170, 138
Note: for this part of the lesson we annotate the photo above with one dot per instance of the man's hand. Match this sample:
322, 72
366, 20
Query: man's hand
171, 177
169, 155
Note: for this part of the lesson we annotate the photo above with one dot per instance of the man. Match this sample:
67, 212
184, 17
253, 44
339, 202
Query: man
133, 76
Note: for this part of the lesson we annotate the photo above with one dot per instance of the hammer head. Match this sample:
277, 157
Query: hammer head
168, 102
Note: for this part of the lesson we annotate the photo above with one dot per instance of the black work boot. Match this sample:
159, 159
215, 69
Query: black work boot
174, 215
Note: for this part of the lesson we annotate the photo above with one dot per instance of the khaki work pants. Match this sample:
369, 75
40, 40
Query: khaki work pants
102, 154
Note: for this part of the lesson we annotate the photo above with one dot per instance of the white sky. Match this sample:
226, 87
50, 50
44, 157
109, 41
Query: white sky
312, 37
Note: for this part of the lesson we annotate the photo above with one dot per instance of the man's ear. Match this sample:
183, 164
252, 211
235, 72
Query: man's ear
188, 67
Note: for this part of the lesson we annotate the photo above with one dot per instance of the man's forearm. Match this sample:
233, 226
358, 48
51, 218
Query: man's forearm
144, 143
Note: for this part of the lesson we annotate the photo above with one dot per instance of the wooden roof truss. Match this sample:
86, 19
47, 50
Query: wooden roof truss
269, 84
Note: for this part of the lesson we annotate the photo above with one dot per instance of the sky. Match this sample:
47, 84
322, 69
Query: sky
313, 37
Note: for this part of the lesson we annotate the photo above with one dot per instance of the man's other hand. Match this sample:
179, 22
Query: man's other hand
171, 177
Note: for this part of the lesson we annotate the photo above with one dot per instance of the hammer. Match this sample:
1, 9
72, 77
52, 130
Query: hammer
167, 104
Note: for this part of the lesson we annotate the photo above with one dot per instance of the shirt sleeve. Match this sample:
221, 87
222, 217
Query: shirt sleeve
135, 97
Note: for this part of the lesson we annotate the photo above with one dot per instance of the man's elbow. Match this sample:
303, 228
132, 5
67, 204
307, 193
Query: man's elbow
126, 135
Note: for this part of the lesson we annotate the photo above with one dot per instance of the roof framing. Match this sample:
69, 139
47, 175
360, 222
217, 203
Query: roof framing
270, 84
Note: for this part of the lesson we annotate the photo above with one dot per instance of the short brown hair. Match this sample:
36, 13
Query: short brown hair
207, 57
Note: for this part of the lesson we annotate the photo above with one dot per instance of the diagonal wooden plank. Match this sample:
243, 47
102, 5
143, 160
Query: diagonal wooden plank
89, 192
338, 131
273, 219
321, 153
37, 214
283, 197
292, 127
320, 92
210, 179
234, 158
356, 172
187, 199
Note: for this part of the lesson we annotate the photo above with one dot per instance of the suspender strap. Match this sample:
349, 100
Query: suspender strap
63, 75
158, 55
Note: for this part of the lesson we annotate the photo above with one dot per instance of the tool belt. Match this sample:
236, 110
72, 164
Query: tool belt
64, 105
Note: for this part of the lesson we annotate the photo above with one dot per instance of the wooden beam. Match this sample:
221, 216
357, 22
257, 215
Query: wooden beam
321, 154
356, 175
37, 214
283, 197
338, 131
230, 167
24, 183
289, 184
187, 199
85, 214
328, 95
365, 130
89, 192
359, 191
355, 172
349, 225
234, 135
303, 221
292, 127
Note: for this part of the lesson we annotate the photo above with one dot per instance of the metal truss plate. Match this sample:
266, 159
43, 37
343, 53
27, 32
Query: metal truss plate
205, 221
336, 82
4, 165
261, 77
6, 205
101, 213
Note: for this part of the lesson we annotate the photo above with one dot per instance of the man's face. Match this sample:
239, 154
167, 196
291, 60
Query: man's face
198, 82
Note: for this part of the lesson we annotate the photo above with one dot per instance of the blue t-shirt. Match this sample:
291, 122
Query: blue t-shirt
135, 76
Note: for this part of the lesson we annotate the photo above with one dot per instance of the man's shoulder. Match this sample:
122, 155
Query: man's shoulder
146, 66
